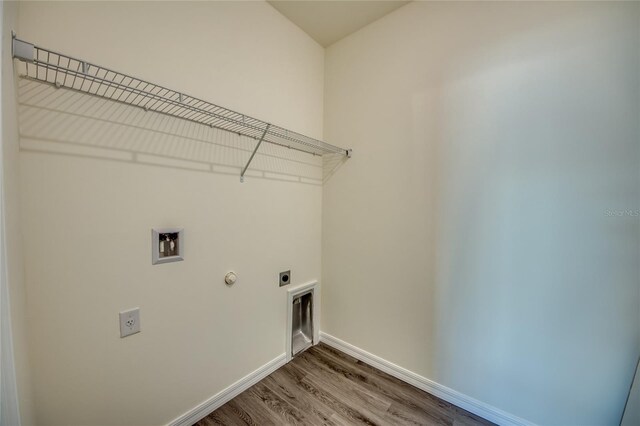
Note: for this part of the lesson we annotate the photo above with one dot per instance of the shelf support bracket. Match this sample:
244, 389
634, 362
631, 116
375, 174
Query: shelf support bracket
254, 152
22, 50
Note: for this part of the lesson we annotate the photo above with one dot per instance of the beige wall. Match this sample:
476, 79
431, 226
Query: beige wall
13, 219
474, 236
96, 177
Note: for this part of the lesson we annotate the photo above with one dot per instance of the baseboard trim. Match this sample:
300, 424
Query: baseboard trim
472, 405
216, 401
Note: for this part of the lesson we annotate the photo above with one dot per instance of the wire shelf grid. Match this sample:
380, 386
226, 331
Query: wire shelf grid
61, 70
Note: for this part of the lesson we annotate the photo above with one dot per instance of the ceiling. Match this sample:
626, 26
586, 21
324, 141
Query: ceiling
330, 20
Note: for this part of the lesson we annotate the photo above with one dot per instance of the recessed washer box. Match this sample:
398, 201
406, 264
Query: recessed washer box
167, 245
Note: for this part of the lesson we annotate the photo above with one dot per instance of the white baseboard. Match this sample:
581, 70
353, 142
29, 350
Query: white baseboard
454, 397
474, 406
224, 396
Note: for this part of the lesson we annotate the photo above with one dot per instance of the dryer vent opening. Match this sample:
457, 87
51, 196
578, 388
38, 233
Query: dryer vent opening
302, 323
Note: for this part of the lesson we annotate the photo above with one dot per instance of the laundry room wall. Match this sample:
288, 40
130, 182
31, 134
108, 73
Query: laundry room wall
485, 234
97, 176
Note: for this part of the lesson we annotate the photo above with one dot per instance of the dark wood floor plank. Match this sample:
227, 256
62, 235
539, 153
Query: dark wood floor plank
344, 381
403, 410
404, 396
259, 413
372, 405
409, 396
343, 411
384, 382
340, 420
246, 417
278, 407
323, 386
315, 411
399, 414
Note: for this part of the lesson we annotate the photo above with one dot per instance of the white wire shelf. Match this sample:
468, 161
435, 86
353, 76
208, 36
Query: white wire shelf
63, 71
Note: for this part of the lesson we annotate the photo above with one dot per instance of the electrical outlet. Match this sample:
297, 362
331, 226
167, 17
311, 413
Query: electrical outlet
285, 278
129, 322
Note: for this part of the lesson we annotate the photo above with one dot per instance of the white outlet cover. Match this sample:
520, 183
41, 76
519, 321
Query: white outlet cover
129, 322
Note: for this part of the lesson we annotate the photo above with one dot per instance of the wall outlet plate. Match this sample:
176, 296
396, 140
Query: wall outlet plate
129, 322
285, 278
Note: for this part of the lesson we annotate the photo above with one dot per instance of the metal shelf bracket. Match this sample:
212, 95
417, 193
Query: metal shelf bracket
22, 50
254, 152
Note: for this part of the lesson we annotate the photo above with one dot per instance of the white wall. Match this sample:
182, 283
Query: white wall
96, 177
13, 228
474, 236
